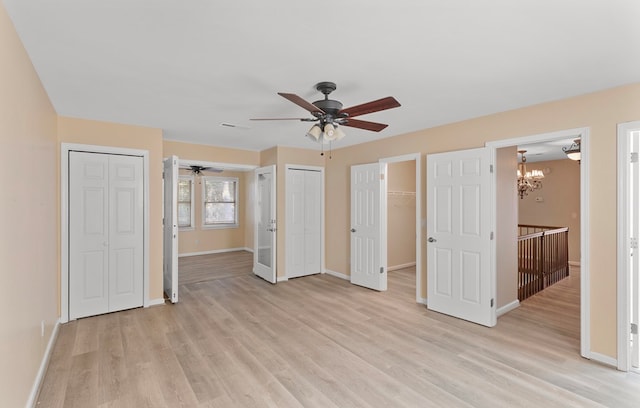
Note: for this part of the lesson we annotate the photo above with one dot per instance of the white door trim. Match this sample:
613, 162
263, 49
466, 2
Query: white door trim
416, 157
585, 279
624, 278
287, 239
65, 148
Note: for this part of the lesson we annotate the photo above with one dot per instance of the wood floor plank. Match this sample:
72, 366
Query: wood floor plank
235, 340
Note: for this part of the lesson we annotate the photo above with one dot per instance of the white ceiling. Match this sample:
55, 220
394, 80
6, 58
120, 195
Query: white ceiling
188, 66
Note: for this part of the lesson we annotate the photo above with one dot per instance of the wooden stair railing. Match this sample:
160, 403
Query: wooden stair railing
543, 258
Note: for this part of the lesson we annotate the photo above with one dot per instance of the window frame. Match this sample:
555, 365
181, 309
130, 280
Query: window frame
192, 225
203, 202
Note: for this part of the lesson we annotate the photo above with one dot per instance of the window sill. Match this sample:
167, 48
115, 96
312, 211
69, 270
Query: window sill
222, 226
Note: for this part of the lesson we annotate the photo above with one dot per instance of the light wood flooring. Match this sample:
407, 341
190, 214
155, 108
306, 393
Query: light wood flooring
235, 340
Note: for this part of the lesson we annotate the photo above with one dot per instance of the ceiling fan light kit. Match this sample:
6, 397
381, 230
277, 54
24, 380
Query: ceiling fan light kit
329, 115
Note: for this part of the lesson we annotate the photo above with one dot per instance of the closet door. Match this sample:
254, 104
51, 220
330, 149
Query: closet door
312, 221
304, 222
88, 234
105, 233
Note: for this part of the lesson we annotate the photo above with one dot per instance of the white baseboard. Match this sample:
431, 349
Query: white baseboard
337, 274
422, 301
281, 279
214, 251
601, 358
35, 389
574, 263
507, 308
155, 302
401, 266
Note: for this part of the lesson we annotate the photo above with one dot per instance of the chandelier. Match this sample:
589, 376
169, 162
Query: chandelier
527, 180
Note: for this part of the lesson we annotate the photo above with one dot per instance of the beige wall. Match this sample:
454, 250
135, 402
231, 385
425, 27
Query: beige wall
401, 214
560, 207
91, 132
29, 204
506, 226
190, 151
600, 111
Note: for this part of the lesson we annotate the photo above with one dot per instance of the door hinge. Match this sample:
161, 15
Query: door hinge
491, 236
491, 302
491, 168
382, 269
633, 243
634, 157
634, 328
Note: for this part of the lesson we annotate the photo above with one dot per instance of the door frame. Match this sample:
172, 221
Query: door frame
417, 158
585, 280
65, 148
623, 276
287, 239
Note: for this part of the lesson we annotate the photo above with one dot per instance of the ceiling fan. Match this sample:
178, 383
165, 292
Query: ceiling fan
330, 115
197, 169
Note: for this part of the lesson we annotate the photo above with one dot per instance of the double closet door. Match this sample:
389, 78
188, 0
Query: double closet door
106, 240
304, 222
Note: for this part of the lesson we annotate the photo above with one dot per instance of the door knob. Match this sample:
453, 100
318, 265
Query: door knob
431, 239
353, 230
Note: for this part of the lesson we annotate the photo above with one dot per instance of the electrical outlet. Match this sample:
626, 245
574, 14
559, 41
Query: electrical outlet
42, 328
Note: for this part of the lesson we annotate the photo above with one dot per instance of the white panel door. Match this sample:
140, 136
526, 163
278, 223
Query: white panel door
304, 222
313, 222
105, 233
295, 213
264, 254
459, 276
126, 221
368, 260
170, 232
88, 234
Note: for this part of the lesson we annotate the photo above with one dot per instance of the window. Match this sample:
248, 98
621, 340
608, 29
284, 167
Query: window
185, 202
219, 202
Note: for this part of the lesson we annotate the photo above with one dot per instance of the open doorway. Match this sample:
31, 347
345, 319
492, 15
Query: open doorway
556, 137
212, 206
403, 227
548, 217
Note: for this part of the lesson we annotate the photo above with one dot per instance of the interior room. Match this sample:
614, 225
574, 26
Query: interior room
349, 206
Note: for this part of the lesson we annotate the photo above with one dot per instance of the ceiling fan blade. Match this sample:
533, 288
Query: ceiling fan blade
370, 107
280, 119
301, 102
363, 124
